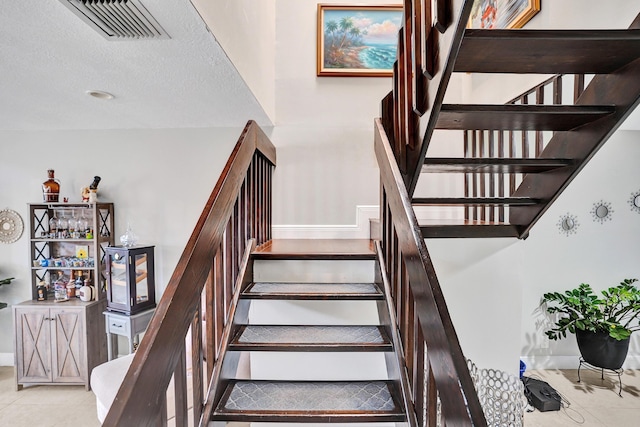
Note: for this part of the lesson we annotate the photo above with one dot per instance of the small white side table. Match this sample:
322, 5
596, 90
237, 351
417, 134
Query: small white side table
126, 326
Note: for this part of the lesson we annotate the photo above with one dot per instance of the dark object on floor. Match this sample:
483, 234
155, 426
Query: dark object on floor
541, 395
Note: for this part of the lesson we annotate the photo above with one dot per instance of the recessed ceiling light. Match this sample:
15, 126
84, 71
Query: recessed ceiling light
100, 94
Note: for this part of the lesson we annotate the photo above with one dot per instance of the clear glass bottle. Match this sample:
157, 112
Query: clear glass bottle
51, 188
79, 283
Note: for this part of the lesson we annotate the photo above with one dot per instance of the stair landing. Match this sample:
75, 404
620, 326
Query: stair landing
316, 249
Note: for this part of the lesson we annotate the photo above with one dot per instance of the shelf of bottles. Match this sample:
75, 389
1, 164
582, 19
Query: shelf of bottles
67, 246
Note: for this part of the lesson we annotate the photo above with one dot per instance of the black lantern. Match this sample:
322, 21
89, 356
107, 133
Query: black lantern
130, 279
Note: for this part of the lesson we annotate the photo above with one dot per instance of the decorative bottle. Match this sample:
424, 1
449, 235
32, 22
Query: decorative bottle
51, 188
79, 283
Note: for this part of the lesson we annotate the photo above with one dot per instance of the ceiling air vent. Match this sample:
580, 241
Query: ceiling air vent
118, 19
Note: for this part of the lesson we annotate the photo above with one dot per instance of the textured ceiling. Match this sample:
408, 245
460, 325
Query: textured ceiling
49, 58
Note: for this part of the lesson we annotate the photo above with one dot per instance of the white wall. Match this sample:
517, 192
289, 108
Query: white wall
601, 254
324, 128
158, 180
493, 286
246, 31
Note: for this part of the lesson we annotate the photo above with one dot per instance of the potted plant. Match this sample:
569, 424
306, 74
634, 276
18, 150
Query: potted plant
602, 324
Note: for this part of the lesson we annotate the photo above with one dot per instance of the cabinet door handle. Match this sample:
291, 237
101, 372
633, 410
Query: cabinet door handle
116, 325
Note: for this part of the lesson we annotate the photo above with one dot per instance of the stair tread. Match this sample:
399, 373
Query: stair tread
492, 165
519, 116
298, 337
461, 228
316, 249
474, 201
547, 51
280, 290
315, 400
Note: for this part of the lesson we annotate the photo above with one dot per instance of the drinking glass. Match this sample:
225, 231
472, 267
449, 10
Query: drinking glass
73, 224
53, 226
63, 226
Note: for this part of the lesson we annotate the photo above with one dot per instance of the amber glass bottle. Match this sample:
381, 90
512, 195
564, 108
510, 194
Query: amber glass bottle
51, 188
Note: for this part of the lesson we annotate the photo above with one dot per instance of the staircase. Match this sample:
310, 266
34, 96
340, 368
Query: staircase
312, 311
516, 158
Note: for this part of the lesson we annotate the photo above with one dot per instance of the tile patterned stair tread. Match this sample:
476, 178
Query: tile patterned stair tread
279, 290
314, 400
311, 337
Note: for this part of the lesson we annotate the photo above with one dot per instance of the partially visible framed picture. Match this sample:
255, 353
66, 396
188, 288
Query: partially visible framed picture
502, 14
357, 41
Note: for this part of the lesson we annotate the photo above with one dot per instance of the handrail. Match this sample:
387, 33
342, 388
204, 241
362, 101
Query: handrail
238, 209
430, 342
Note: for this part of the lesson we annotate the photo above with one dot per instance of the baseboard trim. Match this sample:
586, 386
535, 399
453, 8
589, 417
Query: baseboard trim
359, 230
570, 362
6, 359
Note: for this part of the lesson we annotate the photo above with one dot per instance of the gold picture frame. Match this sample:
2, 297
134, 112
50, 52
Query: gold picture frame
357, 41
502, 14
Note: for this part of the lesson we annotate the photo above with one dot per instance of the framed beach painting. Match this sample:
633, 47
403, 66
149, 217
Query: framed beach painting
502, 14
357, 40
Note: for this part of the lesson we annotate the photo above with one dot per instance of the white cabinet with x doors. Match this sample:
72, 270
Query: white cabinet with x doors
58, 343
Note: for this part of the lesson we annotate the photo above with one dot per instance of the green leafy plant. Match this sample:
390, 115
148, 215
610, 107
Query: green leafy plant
5, 282
615, 312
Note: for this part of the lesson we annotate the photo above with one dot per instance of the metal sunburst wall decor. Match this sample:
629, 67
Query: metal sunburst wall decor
601, 211
634, 201
11, 226
568, 224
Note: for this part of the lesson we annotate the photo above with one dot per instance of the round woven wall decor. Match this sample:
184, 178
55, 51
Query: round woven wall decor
11, 226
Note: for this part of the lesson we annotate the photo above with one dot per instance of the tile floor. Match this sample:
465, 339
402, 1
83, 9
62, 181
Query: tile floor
591, 403
45, 406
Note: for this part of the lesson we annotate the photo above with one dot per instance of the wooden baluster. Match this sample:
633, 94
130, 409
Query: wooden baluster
474, 181
467, 176
420, 82
211, 333
395, 288
481, 153
251, 198
442, 11
410, 341
525, 134
539, 138
492, 183
180, 391
402, 88
269, 216
557, 92
197, 368
432, 396
512, 154
419, 372
501, 175
398, 147
578, 87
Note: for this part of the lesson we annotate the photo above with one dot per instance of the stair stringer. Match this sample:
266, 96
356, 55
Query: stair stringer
622, 89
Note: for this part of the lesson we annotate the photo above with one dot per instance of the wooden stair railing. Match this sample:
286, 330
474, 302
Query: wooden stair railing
237, 212
495, 161
436, 368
